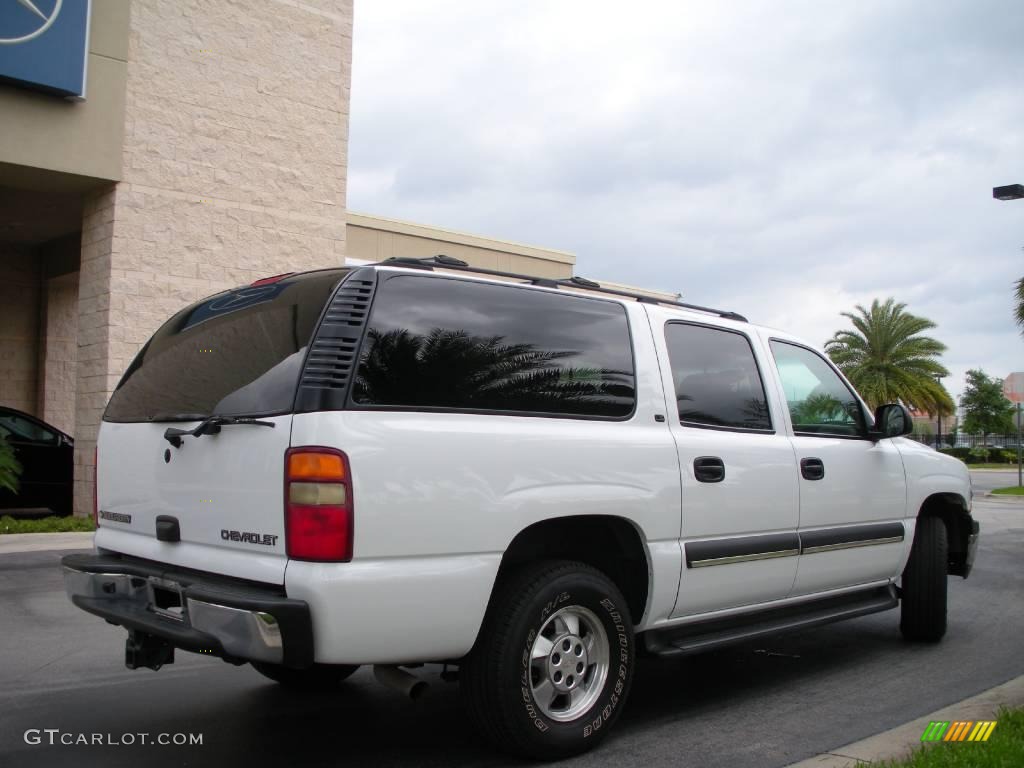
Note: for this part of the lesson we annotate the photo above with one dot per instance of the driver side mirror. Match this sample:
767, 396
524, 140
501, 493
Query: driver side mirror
892, 420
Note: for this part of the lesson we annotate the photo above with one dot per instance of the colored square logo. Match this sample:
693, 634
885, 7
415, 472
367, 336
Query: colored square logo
44, 45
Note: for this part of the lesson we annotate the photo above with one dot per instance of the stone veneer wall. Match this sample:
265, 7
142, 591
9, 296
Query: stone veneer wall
235, 161
20, 280
59, 353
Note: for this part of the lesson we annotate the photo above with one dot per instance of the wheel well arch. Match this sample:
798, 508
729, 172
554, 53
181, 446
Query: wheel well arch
951, 508
612, 545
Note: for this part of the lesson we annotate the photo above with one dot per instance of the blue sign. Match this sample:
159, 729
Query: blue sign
44, 45
232, 301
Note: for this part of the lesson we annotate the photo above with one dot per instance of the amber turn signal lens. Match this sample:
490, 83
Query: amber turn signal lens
316, 466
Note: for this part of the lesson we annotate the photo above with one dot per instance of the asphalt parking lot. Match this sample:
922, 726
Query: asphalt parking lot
763, 704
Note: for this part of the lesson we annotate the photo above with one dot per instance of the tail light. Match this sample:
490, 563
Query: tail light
270, 280
318, 505
95, 473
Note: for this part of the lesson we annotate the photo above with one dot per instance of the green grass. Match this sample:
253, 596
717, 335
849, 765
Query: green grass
1004, 749
9, 524
1013, 490
1006, 467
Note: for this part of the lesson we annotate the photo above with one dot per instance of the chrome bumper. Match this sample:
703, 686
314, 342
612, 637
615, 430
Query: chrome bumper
241, 624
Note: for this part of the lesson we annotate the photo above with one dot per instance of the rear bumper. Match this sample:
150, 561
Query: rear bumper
229, 618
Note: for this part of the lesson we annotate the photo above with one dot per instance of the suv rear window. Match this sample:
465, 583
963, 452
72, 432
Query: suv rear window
234, 354
441, 343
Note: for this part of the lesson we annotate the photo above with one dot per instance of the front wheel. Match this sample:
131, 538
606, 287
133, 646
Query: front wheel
923, 602
553, 664
319, 677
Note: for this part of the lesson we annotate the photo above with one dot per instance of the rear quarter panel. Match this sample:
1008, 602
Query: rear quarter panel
437, 494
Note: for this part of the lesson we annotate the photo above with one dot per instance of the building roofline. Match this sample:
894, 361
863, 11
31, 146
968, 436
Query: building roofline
452, 236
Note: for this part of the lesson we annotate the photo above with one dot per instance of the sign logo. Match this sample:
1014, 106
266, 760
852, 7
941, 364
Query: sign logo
44, 22
44, 45
958, 730
231, 301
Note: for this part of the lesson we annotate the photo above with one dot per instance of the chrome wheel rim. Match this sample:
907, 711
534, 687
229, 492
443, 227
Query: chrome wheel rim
569, 663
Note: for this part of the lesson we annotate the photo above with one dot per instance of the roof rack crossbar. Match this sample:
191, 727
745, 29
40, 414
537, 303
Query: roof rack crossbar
447, 262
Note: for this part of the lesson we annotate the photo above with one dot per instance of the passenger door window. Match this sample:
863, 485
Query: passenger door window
819, 401
716, 378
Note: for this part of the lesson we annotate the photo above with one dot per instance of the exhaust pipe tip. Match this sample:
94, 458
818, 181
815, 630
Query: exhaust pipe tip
398, 679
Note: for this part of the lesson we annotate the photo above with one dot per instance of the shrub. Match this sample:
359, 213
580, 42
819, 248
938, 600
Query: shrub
10, 524
960, 453
977, 455
9, 467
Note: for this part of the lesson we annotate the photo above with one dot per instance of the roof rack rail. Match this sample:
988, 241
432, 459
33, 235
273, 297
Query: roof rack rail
448, 262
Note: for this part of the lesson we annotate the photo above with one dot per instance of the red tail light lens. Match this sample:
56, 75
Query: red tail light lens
95, 495
318, 505
270, 280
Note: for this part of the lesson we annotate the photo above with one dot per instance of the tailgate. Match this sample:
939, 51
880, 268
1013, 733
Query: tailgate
225, 490
233, 356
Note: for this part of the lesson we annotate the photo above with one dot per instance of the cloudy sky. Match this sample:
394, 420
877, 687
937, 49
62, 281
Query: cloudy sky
787, 160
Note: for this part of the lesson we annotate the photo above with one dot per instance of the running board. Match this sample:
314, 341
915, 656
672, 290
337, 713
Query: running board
714, 633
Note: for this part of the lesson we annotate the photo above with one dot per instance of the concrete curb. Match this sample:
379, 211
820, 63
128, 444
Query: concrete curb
40, 542
989, 496
901, 741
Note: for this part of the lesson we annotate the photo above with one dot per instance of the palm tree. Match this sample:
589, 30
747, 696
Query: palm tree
1019, 296
888, 360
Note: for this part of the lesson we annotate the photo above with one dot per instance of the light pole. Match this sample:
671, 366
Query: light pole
1014, 192
1009, 192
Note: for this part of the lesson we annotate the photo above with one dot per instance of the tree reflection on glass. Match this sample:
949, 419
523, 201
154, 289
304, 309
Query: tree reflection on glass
822, 410
750, 413
453, 369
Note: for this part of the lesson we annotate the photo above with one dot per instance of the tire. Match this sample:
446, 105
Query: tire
319, 677
923, 603
522, 685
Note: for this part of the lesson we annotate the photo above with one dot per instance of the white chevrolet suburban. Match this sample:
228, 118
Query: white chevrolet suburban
533, 480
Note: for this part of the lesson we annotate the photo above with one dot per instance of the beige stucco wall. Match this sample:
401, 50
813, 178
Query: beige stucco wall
20, 276
376, 238
234, 168
39, 131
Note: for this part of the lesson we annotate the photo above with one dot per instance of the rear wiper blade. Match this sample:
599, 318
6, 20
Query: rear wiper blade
162, 416
210, 426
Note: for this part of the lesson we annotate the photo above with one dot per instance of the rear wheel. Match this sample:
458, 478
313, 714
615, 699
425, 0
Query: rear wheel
551, 669
319, 677
923, 602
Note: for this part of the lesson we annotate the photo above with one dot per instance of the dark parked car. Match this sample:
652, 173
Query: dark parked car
46, 456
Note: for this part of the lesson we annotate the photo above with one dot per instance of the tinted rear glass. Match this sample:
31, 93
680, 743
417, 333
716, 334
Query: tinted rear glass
237, 353
442, 343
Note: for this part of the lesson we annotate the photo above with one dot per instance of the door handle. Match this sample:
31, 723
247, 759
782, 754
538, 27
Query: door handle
709, 469
812, 469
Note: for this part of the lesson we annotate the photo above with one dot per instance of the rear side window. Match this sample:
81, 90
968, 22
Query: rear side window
234, 354
18, 428
453, 344
716, 378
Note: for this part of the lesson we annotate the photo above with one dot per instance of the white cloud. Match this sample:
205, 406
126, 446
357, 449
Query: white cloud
784, 159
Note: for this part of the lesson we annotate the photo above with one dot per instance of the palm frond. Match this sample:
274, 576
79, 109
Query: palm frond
887, 358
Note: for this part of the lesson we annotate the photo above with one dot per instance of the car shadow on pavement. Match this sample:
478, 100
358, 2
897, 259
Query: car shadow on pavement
382, 730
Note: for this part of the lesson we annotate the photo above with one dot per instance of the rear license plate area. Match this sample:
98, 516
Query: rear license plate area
165, 600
